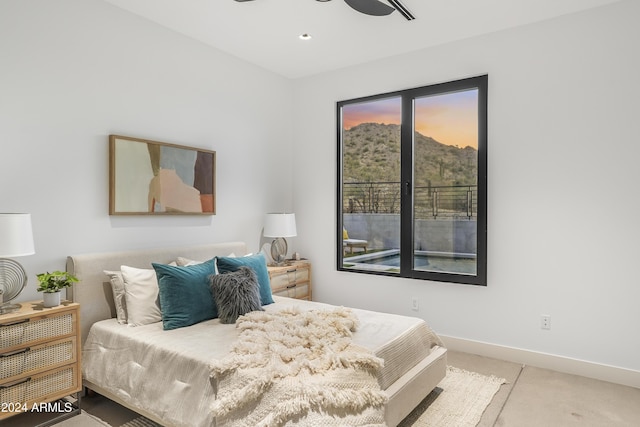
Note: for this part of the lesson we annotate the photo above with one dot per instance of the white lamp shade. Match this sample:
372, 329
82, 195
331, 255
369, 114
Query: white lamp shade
280, 225
16, 235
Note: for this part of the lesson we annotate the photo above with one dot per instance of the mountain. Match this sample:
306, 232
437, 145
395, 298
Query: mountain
371, 153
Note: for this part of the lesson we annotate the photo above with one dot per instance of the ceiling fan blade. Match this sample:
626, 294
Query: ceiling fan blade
402, 9
374, 7
370, 7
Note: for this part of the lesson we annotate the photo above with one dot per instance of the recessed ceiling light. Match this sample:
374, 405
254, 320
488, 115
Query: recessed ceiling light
305, 36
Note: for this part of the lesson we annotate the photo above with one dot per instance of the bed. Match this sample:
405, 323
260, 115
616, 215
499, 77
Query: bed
134, 366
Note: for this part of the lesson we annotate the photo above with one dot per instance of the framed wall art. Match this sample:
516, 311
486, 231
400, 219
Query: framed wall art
158, 178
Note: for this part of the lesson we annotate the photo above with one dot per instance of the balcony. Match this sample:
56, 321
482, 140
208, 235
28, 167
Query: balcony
430, 202
444, 218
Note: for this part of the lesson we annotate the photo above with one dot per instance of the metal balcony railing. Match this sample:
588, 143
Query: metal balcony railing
456, 201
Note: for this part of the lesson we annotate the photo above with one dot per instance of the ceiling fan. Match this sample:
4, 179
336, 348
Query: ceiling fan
375, 7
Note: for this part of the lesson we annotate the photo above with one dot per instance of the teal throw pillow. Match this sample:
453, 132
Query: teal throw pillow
259, 266
185, 295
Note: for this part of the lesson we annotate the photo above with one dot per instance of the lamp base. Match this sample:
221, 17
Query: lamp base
13, 279
279, 249
9, 308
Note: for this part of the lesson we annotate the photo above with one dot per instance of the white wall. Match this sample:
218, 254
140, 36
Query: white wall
74, 71
562, 160
563, 183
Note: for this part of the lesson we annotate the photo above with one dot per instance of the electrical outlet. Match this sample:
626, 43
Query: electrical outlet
545, 321
414, 304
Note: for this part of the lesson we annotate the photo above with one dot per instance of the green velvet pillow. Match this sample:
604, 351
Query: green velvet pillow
259, 266
185, 295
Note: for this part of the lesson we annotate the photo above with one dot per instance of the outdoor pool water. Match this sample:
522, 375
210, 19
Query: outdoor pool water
424, 262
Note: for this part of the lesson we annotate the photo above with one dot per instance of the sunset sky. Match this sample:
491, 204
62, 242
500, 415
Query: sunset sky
450, 118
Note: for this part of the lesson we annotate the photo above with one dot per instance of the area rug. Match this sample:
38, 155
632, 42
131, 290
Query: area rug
140, 422
87, 420
83, 419
459, 400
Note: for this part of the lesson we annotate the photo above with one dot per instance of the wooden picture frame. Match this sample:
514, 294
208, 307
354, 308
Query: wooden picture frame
158, 178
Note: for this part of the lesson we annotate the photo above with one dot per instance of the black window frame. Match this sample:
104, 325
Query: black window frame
406, 164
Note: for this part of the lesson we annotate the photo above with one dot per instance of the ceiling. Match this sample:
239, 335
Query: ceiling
265, 32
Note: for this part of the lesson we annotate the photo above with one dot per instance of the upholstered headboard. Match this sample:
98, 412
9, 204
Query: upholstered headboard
93, 290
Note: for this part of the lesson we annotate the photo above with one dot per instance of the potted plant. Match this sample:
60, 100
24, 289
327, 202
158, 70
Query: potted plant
52, 283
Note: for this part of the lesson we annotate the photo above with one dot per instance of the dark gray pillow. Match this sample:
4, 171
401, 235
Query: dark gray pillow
236, 293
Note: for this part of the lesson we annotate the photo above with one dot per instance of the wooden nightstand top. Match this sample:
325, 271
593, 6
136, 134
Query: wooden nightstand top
35, 308
289, 264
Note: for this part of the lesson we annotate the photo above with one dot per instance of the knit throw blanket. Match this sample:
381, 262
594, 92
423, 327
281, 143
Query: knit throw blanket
297, 367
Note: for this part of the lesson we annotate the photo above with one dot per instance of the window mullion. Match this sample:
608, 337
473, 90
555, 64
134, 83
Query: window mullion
406, 165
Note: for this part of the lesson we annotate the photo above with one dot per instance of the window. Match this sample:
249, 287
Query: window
412, 183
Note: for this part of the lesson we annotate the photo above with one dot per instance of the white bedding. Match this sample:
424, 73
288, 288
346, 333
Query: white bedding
166, 373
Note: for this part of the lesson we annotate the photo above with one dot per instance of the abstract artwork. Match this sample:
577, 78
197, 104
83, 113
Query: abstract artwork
157, 178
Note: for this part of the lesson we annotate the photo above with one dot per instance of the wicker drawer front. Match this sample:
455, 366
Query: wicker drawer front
25, 332
28, 360
39, 388
290, 277
300, 291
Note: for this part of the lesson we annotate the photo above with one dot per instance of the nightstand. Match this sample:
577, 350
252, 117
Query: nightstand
292, 280
39, 359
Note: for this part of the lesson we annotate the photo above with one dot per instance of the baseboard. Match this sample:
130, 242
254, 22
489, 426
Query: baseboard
567, 365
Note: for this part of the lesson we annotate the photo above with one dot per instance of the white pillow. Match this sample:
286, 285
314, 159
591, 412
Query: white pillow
187, 262
141, 295
117, 287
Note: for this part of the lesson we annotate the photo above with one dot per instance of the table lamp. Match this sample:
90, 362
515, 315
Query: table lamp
16, 239
279, 226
